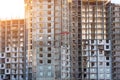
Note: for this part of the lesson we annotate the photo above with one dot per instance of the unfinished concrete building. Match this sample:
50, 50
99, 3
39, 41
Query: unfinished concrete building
68, 40
62, 40
115, 12
52, 39
94, 44
12, 49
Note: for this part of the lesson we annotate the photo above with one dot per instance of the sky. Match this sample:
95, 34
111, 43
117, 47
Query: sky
115, 1
15, 8
11, 8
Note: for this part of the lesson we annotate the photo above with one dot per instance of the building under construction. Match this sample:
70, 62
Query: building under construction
12, 49
95, 45
62, 40
115, 28
68, 39
52, 39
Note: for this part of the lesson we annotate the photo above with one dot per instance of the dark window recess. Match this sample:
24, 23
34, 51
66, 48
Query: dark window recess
49, 55
49, 30
49, 0
49, 6
2, 55
107, 47
107, 41
49, 61
41, 55
41, 49
107, 58
107, 63
49, 49
92, 64
41, 61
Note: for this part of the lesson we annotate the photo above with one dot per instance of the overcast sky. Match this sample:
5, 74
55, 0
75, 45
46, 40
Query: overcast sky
12, 8
115, 1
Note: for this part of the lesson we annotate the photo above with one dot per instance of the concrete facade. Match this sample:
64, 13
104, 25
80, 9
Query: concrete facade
95, 46
115, 29
62, 40
12, 49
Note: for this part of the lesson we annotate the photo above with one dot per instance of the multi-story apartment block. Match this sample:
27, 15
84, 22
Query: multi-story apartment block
95, 46
115, 29
62, 40
68, 39
12, 49
52, 43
